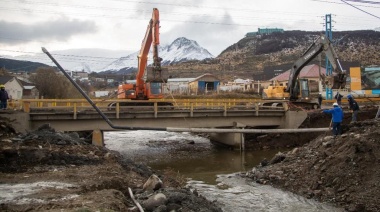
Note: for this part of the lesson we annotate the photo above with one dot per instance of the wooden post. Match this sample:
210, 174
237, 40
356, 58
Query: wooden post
26, 107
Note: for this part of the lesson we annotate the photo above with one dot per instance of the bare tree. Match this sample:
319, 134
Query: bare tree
53, 85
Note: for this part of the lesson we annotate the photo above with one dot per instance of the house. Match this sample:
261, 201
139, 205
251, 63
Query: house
310, 72
30, 91
101, 93
237, 84
13, 86
178, 85
204, 84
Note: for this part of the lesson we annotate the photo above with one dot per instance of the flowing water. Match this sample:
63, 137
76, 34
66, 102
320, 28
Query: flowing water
211, 170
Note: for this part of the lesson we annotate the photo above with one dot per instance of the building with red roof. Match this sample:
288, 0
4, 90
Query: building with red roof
310, 72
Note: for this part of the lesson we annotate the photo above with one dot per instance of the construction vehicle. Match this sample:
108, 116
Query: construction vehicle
149, 80
297, 90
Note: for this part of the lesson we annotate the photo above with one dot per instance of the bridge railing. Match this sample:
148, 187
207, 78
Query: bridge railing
75, 106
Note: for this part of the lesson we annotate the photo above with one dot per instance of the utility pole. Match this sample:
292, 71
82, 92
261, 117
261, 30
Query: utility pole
328, 33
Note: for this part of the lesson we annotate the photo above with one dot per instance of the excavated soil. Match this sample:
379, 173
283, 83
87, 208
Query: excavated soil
47, 170
344, 171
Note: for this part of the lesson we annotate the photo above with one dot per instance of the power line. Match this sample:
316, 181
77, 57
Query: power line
362, 1
361, 9
324, 1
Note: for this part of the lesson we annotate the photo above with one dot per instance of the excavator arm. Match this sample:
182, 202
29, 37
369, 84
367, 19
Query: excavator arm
322, 44
152, 38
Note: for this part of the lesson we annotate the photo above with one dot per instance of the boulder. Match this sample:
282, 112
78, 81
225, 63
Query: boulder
153, 183
154, 201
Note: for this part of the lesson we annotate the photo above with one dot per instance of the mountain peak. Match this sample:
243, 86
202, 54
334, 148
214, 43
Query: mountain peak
180, 50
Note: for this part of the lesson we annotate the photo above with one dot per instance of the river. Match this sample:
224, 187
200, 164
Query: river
211, 170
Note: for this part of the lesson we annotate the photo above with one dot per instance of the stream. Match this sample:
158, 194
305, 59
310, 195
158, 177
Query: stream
213, 171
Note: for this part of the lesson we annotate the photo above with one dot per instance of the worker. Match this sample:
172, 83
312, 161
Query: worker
338, 98
337, 118
320, 100
3, 97
354, 107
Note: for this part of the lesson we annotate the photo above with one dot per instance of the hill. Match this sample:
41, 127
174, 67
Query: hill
20, 65
252, 54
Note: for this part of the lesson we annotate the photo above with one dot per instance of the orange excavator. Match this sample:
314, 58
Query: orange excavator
149, 80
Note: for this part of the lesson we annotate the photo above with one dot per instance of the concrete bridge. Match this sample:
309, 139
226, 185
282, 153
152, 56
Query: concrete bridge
79, 115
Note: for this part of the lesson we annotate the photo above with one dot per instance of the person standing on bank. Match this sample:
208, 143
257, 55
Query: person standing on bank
354, 107
320, 100
337, 118
3, 97
338, 98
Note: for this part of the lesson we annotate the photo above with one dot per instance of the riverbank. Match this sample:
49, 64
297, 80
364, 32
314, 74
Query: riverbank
344, 171
46, 170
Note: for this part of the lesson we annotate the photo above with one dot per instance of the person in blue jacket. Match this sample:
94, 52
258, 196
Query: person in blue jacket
337, 118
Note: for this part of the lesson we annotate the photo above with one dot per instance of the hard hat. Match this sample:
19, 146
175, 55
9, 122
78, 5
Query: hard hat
2, 86
349, 96
319, 93
335, 104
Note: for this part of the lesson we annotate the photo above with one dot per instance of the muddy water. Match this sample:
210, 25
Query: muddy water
209, 169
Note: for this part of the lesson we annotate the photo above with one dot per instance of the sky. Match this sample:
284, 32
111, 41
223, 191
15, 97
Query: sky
120, 25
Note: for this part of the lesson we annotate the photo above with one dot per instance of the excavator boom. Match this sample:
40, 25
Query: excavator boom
322, 44
148, 79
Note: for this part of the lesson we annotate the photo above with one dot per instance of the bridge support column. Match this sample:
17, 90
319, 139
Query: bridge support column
235, 140
97, 138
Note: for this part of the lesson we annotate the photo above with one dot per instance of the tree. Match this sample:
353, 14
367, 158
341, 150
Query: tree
52, 85
4, 72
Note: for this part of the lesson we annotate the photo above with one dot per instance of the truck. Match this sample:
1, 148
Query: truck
149, 80
297, 90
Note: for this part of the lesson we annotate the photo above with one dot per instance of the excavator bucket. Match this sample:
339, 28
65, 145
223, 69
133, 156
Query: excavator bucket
157, 75
339, 81
335, 82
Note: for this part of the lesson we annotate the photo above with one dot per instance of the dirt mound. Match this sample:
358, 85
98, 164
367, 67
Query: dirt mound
47, 170
344, 171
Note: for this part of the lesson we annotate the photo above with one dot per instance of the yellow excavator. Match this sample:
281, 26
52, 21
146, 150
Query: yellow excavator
297, 90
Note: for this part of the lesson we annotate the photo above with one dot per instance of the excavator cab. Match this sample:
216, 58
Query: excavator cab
302, 90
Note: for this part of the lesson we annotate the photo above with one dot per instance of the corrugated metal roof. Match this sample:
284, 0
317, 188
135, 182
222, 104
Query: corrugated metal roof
29, 87
309, 71
180, 79
203, 75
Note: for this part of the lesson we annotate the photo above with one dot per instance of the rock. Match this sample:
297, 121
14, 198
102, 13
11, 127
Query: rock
264, 162
154, 201
153, 183
173, 207
278, 158
327, 143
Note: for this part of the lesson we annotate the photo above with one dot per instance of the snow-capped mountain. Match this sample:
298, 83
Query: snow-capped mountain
181, 49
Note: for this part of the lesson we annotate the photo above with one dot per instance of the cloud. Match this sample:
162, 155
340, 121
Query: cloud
13, 33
